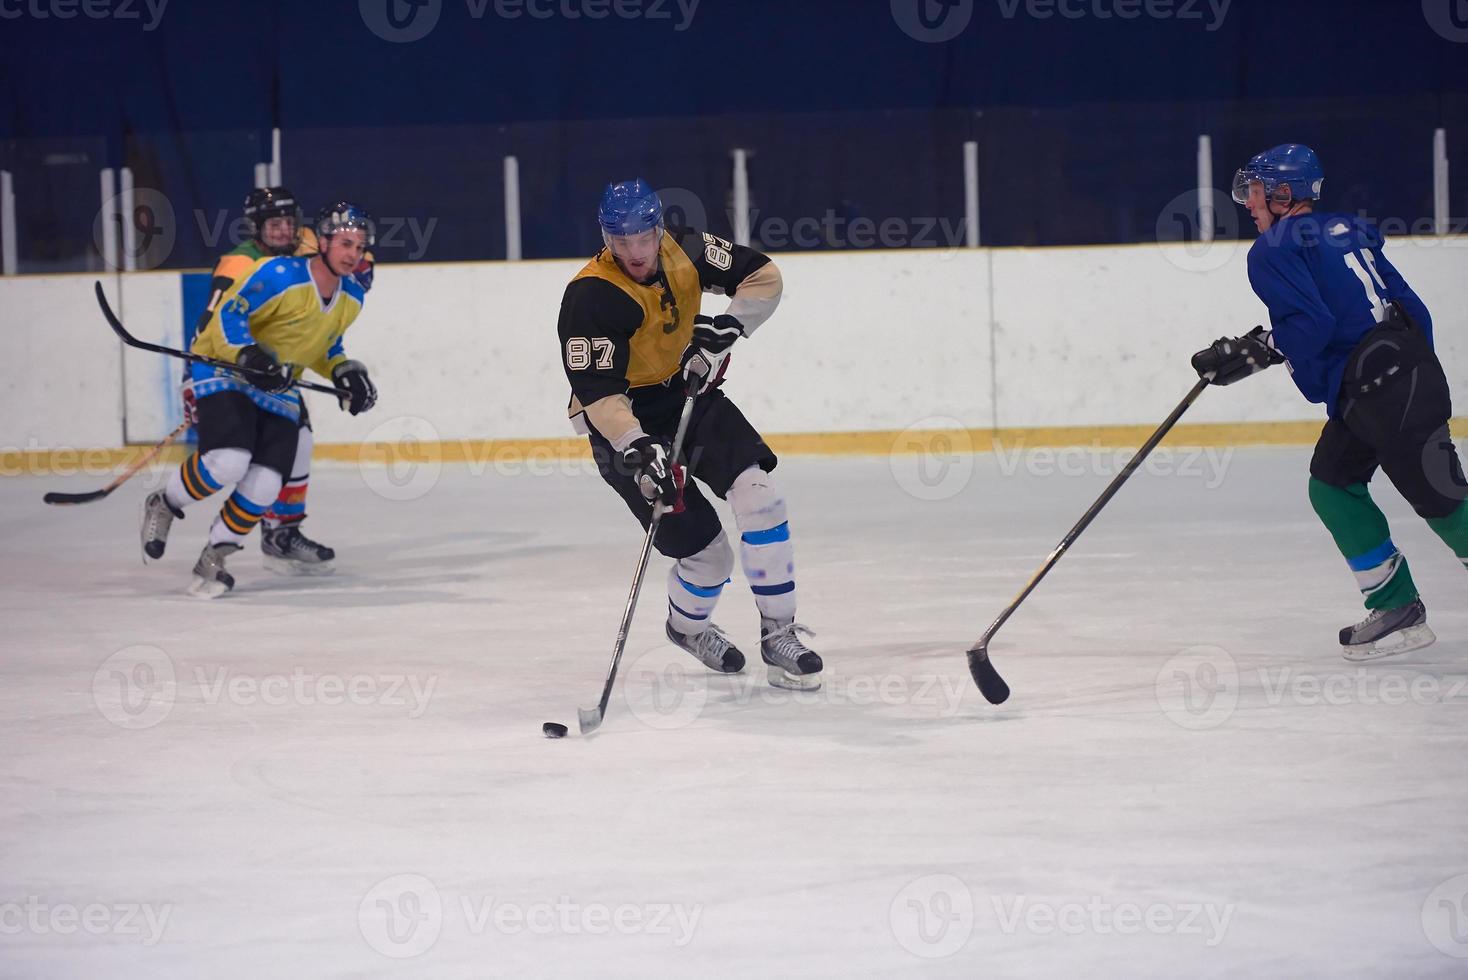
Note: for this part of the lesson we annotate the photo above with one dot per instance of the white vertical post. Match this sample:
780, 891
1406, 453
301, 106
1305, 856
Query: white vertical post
1440, 215
971, 193
109, 219
126, 206
7, 224
741, 197
1206, 216
262, 175
275, 180
512, 209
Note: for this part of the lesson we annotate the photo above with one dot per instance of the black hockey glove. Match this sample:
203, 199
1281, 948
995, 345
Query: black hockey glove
1234, 359
262, 369
657, 477
351, 377
707, 356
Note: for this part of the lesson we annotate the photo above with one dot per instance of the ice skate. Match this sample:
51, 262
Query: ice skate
158, 516
712, 648
210, 579
1388, 632
792, 665
289, 552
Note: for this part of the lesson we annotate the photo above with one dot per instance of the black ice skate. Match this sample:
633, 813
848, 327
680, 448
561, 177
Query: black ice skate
1388, 632
711, 647
158, 515
210, 579
792, 664
289, 552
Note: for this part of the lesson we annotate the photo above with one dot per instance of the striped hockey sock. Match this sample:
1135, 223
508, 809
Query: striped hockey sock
1363, 537
191, 481
695, 584
244, 508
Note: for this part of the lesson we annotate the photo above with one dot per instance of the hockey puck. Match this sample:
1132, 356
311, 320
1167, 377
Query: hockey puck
553, 730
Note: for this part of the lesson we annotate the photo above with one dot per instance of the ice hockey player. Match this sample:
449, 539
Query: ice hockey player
633, 341
286, 313
1357, 338
273, 220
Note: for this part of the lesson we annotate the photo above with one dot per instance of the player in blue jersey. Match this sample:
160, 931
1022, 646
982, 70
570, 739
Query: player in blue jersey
1357, 339
286, 314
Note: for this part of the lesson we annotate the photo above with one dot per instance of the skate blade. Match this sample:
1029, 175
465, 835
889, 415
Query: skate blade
1402, 641
779, 677
291, 566
203, 588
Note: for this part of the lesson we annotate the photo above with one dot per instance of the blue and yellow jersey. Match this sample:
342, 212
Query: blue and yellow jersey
277, 306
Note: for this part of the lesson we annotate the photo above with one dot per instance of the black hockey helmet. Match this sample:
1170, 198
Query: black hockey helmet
341, 215
264, 203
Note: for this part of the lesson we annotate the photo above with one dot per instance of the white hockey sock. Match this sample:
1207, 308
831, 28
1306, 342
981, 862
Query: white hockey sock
695, 583
765, 549
255, 493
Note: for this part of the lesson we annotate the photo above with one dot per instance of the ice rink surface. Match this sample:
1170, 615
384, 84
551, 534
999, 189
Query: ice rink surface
345, 776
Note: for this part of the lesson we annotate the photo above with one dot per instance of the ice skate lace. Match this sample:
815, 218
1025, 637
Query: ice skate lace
783, 643
159, 518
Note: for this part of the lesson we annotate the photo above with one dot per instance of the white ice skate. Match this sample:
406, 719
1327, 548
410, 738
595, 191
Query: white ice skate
210, 579
792, 665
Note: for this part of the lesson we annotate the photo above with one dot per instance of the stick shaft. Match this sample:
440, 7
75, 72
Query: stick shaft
652, 529
1090, 515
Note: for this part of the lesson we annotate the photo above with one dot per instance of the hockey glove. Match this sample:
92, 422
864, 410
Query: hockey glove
1233, 359
262, 369
363, 274
190, 405
656, 475
707, 356
351, 378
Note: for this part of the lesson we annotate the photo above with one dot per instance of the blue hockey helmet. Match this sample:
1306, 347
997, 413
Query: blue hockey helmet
630, 207
342, 215
1291, 165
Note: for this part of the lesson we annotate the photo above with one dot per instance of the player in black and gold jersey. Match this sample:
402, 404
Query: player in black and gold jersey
632, 337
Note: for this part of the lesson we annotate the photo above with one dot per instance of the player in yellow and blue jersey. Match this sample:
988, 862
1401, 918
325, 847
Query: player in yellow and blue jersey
273, 218
287, 314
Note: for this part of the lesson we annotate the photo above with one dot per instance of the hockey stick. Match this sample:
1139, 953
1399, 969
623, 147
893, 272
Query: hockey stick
132, 341
123, 477
591, 718
979, 665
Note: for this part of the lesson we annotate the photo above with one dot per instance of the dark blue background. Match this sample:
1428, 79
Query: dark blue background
1087, 127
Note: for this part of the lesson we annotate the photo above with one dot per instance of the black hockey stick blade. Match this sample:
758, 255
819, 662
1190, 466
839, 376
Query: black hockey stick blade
74, 498
991, 685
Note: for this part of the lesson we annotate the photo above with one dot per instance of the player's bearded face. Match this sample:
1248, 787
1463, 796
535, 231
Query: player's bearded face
344, 250
637, 254
279, 231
